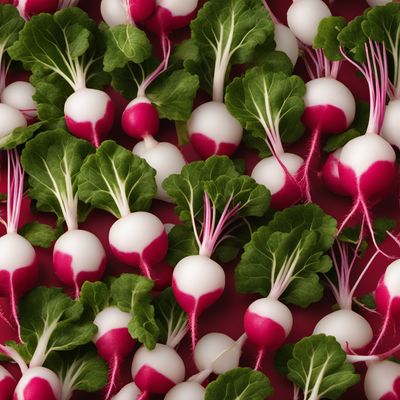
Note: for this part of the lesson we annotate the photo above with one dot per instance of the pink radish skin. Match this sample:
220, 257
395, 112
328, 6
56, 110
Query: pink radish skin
330, 174
89, 114
78, 256
387, 294
11, 119
140, 10
185, 391
197, 283
7, 384
140, 118
382, 380
347, 327
28, 8
157, 371
284, 189
171, 14
38, 383
128, 392
114, 12
213, 130
164, 157
286, 42
113, 340
391, 123
19, 95
139, 239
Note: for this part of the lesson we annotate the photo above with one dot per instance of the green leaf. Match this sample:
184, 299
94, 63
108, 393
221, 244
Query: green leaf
10, 25
291, 245
172, 321
239, 384
181, 243
352, 236
327, 37
227, 32
19, 136
282, 356
381, 227
53, 160
41, 235
319, 366
124, 43
368, 300
262, 101
116, 180
182, 132
273, 61
52, 319
81, 369
173, 95
94, 296
132, 293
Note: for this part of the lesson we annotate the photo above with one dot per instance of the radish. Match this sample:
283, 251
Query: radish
164, 157
28, 8
19, 95
38, 383
89, 112
114, 12
271, 103
186, 390
12, 119
312, 11
330, 174
382, 380
157, 371
78, 255
18, 261
391, 122
128, 392
7, 384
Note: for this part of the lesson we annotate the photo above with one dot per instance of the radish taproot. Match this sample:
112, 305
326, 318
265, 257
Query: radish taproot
215, 203
273, 266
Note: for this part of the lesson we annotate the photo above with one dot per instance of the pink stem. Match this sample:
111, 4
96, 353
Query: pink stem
273, 16
383, 330
307, 165
193, 327
144, 395
260, 356
77, 289
146, 270
114, 371
353, 210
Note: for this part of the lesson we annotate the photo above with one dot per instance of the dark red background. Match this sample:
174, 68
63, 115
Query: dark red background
226, 315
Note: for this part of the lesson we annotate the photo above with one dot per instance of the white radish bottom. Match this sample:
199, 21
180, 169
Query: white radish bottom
382, 380
113, 12
286, 42
347, 327
186, 391
19, 95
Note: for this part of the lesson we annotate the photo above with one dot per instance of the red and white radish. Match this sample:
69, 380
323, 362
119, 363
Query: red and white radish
19, 95
7, 384
18, 262
128, 392
330, 174
164, 157
267, 323
113, 340
12, 119
157, 371
38, 383
186, 390
28, 8
382, 380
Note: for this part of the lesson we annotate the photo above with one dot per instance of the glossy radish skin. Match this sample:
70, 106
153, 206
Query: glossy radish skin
157, 370
38, 383
267, 323
185, 391
286, 42
312, 11
128, 392
165, 158
213, 130
113, 12
330, 174
139, 239
28, 8
284, 189
78, 256
11, 119
19, 95
140, 118
367, 166
217, 352
7, 384
140, 10
89, 114
382, 381
329, 105
391, 123
172, 14
346, 326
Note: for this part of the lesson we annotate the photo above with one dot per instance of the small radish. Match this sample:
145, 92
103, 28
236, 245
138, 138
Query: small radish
128, 392
330, 174
94, 123
114, 12
113, 340
164, 157
38, 383
157, 371
18, 261
391, 123
213, 130
19, 95
28, 8
382, 380
7, 384
312, 11
267, 323
186, 390
12, 119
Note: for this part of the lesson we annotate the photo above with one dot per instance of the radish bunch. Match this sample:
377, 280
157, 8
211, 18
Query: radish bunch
214, 192
28, 8
281, 260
